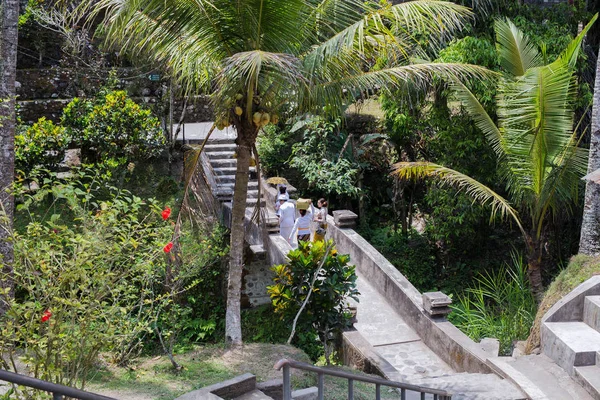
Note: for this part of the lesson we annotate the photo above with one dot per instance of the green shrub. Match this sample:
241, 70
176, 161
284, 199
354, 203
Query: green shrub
326, 312
94, 273
41, 145
113, 126
500, 306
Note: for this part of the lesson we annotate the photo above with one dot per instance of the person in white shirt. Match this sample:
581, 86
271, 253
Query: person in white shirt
287, 215
302, 225
281, 190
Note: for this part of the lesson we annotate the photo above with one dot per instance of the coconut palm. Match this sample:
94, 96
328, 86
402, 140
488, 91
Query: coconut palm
259, 59
535, 141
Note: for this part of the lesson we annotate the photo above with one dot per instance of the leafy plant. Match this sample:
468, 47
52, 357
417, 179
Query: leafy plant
500, 306
41, 145
326, 313
113, 126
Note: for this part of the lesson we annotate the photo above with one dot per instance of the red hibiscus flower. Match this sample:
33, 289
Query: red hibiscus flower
166, 213
46, 316
168, 247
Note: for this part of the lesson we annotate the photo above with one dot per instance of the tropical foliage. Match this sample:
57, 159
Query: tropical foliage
261, 59
535, 139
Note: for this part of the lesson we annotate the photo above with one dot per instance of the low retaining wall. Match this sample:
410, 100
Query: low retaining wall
446, 340
570, 307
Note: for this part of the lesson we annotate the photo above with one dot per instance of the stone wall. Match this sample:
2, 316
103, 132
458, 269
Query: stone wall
45, 92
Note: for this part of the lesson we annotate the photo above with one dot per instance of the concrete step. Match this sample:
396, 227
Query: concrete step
591, 311
254, 395
226, 193
252, 185
546, 377
229, 170
589, 378
471, 386
221, 163
220, 155
570, 344
212, 147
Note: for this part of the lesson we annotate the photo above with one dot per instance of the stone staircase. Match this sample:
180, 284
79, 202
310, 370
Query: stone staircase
221, 153
571, 335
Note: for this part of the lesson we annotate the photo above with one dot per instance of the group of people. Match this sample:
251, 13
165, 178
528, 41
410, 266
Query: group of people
311, 224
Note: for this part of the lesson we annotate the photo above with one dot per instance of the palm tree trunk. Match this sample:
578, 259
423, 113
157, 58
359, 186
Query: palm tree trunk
233, 324
8, 69
534, 267
589, 242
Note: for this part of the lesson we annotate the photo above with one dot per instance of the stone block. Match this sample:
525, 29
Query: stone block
258, 252
310, 393
570, 344
272, 388
436, 304
591, 311
228, 389
344, 218
490, 346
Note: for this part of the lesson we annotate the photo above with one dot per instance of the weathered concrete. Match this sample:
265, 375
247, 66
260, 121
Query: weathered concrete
272, 388
310, 393
570, 307
570, 344
254, 395
589, 377
591, 311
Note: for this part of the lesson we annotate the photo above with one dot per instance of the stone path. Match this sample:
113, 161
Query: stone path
413, 361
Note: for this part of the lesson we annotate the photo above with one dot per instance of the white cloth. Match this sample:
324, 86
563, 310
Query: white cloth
287, 215
302, 225
277, 203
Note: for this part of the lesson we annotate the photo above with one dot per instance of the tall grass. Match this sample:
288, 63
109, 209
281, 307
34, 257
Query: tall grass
500, 306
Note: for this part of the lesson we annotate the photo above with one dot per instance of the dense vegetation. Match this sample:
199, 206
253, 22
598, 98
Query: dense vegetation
105, 262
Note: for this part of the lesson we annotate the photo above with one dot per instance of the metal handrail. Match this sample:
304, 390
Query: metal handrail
286, 364
58, 391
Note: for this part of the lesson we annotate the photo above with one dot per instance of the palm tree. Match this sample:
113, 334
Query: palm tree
8, 70
535, 141
261, 58
589, 241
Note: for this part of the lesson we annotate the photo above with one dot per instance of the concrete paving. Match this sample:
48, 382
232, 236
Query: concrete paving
414, 362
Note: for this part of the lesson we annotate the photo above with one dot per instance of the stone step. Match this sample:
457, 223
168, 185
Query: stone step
471, 386
544, 376
220, 155
254, 395
591, 311
252, 185
252, 194
589, 378
570, 344
213, 147
225, 162
229, 170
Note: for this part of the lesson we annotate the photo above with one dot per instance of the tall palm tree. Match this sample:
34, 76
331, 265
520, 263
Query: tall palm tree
8, 70
535, 141
589, 241
260, 58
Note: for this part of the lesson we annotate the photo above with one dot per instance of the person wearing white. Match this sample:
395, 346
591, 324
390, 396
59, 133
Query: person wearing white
320, 221
302, 225
281, 191
287, 215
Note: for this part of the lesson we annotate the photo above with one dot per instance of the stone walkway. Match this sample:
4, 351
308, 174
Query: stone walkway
414, 362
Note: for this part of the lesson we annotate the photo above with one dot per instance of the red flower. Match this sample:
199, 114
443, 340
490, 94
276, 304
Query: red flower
168, 247
46, 316
166, 213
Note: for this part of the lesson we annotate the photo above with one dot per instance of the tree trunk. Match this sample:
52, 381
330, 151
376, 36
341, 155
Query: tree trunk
233, 324
589, 242
534, 268
8, 69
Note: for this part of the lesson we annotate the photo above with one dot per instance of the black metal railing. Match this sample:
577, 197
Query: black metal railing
286, 364
58, 391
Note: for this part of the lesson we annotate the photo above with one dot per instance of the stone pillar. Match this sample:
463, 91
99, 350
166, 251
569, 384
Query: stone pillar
436, 304
344, 219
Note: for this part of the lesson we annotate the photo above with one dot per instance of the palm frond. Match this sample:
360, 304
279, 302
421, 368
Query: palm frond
572, 51
482, 119
474, 189
517, 53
